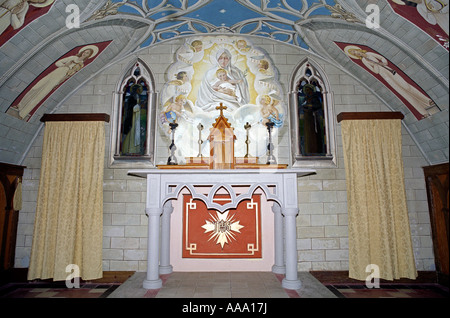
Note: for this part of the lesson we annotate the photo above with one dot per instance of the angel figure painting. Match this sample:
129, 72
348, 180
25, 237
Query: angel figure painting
16, 14
414, 97
429, 15
228, 70
26, 104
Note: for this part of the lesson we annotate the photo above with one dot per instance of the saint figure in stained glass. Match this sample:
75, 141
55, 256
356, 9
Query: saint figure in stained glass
134, 117
311, 118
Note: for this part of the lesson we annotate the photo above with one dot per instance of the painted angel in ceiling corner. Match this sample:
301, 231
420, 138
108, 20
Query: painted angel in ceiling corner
13, 12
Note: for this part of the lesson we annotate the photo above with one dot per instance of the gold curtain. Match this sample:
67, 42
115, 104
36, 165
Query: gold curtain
379, 231
68, 225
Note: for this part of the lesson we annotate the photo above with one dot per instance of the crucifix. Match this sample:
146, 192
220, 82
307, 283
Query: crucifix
221, 108
222, 142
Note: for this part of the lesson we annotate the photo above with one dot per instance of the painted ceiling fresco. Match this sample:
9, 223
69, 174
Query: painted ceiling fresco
274, 19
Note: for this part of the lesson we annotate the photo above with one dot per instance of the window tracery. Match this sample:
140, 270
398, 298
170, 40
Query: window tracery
135, 103
312, 128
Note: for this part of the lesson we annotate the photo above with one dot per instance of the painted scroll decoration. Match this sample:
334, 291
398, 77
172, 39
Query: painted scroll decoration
429, 15
53, 77
236, 233
411, 94
228, 70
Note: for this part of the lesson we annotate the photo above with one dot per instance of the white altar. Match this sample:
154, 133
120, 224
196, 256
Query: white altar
278, 185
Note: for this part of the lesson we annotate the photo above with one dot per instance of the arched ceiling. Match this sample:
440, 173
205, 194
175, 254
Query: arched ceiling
315, 26
274, 19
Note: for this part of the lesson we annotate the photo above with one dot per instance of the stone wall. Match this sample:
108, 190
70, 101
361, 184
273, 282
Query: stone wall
322, 221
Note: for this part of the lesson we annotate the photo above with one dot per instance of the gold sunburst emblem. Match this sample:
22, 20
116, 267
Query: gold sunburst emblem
222, 228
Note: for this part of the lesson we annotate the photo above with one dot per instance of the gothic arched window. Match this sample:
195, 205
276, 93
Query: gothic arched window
135, 108
311, 117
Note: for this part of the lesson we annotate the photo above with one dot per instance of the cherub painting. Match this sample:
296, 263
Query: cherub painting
174, 110
222, 70
269, 111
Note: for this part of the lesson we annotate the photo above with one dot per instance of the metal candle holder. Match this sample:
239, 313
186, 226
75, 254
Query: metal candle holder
200, 141
270, 147
247, 127
172, 159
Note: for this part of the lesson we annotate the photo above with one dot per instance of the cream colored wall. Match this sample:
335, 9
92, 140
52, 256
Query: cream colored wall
322, 221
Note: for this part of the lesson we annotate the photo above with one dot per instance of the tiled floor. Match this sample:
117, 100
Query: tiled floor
55, 290
227, 285
390, 291
221, 285
424, 286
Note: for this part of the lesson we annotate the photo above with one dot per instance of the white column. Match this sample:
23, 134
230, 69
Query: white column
290, 211
153, 281
291, 280
153, 210
164, 266
278, 267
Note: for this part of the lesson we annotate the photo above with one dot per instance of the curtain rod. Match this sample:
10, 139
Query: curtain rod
76, 117
369, 116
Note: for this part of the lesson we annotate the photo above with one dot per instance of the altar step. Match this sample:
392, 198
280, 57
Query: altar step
222, 285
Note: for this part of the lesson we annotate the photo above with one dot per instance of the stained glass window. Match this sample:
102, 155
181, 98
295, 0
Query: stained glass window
313, 137
134, 117
135, 98
311, 116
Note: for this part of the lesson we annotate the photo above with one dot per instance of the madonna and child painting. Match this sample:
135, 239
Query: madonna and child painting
228, 70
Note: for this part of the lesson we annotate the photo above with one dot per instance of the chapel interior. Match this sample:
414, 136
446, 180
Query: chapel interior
258, 147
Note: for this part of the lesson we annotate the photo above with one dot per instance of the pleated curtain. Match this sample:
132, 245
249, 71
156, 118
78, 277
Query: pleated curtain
68, 225
378, 223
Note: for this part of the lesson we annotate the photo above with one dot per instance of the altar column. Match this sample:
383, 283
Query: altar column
278, 267
289, 210
153, 281
165, 267
291, 280
153, 210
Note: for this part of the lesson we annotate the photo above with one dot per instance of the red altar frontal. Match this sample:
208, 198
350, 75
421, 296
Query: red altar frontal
233, 234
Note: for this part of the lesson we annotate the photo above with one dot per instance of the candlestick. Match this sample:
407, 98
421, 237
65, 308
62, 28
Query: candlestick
172, 160
270, 147
247, 127
200, 141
